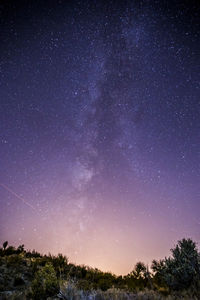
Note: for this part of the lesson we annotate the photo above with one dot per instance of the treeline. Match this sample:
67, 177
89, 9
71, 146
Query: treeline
42, 275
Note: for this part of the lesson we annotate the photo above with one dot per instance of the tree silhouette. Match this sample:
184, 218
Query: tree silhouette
5, 244
182, 269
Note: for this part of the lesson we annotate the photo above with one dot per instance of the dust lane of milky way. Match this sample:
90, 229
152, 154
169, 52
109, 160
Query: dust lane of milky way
99, 128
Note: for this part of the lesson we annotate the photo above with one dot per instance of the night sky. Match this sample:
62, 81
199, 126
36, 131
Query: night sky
99, 128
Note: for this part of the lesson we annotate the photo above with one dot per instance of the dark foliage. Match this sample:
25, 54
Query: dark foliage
180, 271
42, 274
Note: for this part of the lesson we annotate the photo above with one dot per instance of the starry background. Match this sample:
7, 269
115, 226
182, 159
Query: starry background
99, 128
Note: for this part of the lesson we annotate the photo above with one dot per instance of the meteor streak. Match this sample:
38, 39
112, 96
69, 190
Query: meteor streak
17, 196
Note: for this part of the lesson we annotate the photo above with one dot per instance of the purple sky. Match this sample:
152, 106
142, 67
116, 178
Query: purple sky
99, 128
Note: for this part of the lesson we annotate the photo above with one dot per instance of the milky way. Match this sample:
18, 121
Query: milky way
99, 128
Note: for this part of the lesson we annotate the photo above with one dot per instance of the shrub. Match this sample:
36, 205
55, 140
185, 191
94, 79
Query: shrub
45, 283
14, 260
59, 263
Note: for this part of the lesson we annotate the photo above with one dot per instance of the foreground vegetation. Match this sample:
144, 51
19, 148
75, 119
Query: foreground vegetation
30, 275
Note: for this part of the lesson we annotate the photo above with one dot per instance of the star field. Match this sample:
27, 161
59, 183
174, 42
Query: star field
99, 129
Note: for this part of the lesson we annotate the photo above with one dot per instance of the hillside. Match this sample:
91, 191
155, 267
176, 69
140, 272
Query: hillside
30, 275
